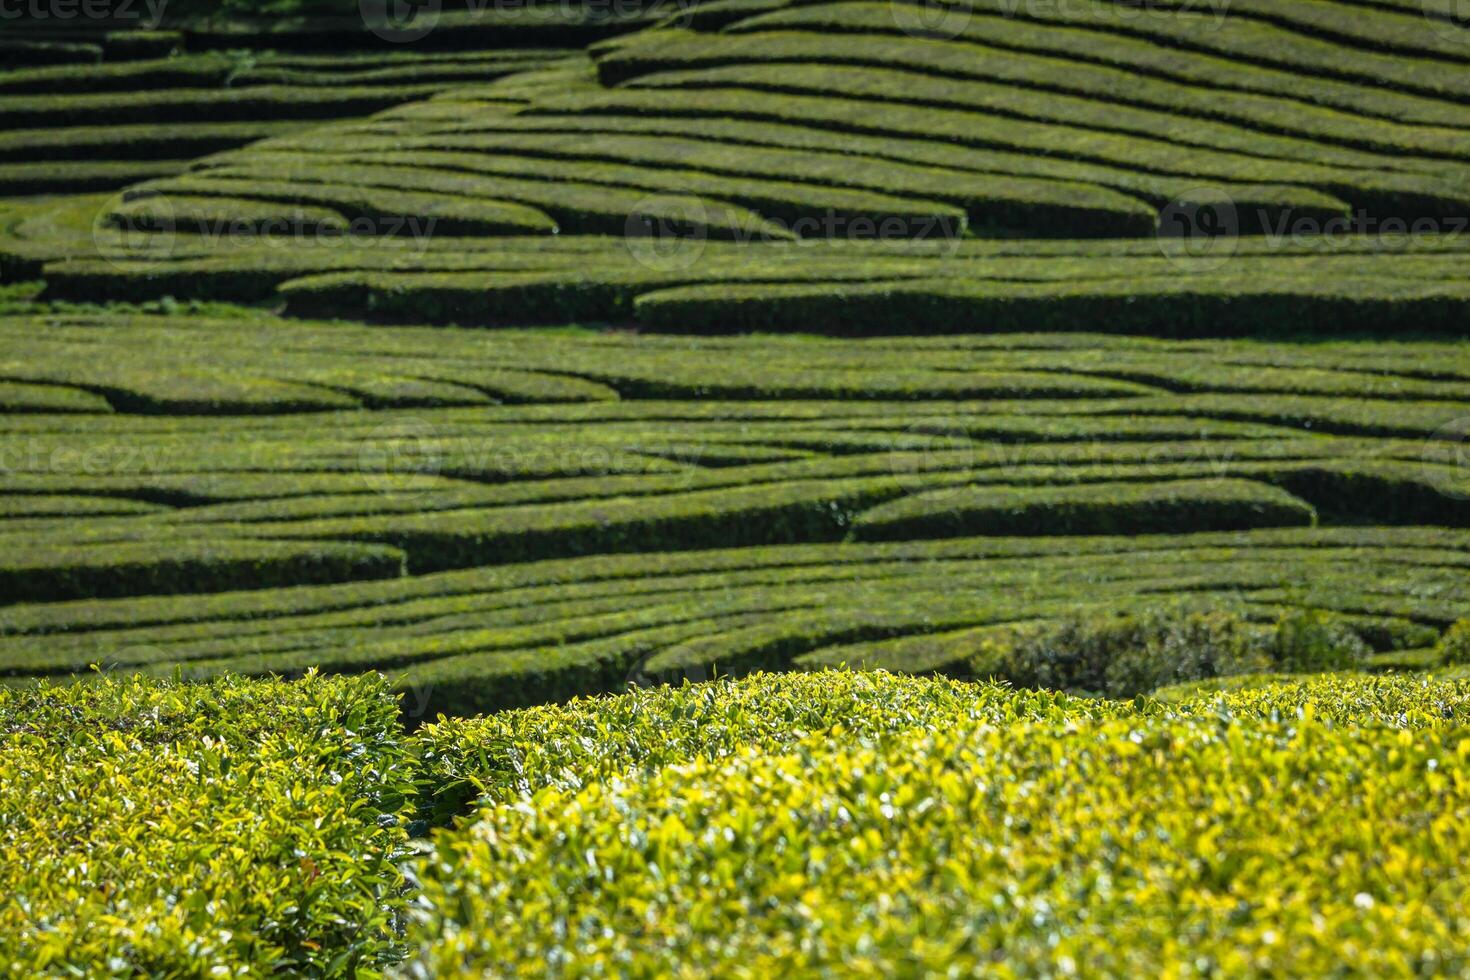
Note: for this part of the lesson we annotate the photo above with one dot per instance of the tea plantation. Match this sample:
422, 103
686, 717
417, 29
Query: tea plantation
735, 488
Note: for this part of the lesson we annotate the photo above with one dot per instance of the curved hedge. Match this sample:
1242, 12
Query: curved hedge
1095, 508
1244, 842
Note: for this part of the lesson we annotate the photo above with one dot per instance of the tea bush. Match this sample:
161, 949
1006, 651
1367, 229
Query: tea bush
228, 829
1245, 834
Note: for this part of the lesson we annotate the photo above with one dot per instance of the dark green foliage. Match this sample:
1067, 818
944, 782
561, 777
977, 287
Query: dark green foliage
1307, 641
1208, 305
1103, 508
1122, 655
48, 574
1454, 647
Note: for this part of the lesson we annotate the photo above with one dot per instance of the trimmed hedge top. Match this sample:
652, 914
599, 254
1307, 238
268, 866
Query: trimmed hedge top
239, 827
250, 827
1262, 833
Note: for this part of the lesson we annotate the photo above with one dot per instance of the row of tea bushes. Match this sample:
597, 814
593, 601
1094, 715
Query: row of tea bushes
262, 826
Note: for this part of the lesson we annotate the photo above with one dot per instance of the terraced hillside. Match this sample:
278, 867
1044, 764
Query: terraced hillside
509, 516
1307, 160
396, 414
500, 518
77, 128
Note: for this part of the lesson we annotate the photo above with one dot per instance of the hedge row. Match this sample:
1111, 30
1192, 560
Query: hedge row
501, 757
1234, 301
555, 185
186, 106
1042, 207
732, 116
258, 826
577, 208
392, 210
1223, 305
492, 759
1253, 38
941, 73
135, 142
1096, 508
989, 53
29, 179
521, 28
1374, 29
465, 533
214, 69
1152, 644
369, 603
1433, 549
843, 391
13, 506
78, 569
1383, 194
889, 843
16, 397
22, 53
868, 79
237, 827
1122, 43
515, 635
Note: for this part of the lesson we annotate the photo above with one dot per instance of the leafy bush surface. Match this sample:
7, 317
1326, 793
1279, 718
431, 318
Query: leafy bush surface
1309, 829
501, 756
830, 822
234, 828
